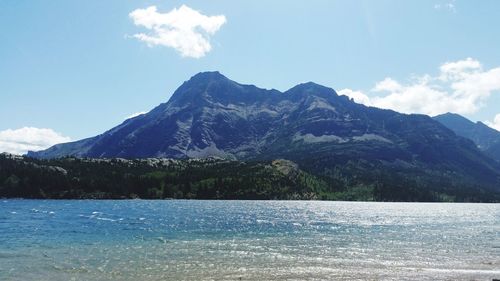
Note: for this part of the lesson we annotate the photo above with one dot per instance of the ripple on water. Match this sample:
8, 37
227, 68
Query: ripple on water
251, 240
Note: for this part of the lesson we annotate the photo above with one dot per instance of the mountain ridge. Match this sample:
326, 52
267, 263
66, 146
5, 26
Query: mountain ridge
486, 138
210, 115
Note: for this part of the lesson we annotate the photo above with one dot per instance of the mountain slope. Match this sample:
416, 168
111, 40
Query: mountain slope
325, 133
487, 139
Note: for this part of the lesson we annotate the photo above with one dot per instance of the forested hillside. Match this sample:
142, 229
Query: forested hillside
74, 178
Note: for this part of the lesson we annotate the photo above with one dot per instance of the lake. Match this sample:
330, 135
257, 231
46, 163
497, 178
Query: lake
247, 240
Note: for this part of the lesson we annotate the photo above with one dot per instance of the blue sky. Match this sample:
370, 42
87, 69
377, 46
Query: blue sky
77, 68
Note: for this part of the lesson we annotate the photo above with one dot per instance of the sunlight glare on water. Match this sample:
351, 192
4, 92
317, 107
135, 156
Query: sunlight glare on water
247, 240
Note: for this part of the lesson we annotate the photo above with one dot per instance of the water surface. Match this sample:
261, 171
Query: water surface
247, 240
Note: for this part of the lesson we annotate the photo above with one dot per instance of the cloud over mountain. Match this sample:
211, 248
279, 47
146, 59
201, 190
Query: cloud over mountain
461, 86
186, 30
135, 114
21, 140
495, 124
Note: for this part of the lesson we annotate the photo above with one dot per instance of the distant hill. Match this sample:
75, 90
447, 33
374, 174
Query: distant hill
327, 135
487, 139
212, 178
153, 178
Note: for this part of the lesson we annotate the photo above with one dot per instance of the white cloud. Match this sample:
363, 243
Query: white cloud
184, 29
21, 140
495, 124
457, 70
135, 114
462, 87
450, 6
357, 96
388, 84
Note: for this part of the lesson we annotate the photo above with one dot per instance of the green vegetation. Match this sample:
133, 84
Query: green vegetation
75, 178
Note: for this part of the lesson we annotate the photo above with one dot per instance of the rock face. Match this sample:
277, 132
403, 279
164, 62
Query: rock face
487, 139
210, 115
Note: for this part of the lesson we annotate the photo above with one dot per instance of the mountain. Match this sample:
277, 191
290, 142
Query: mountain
345, 143
487, 139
